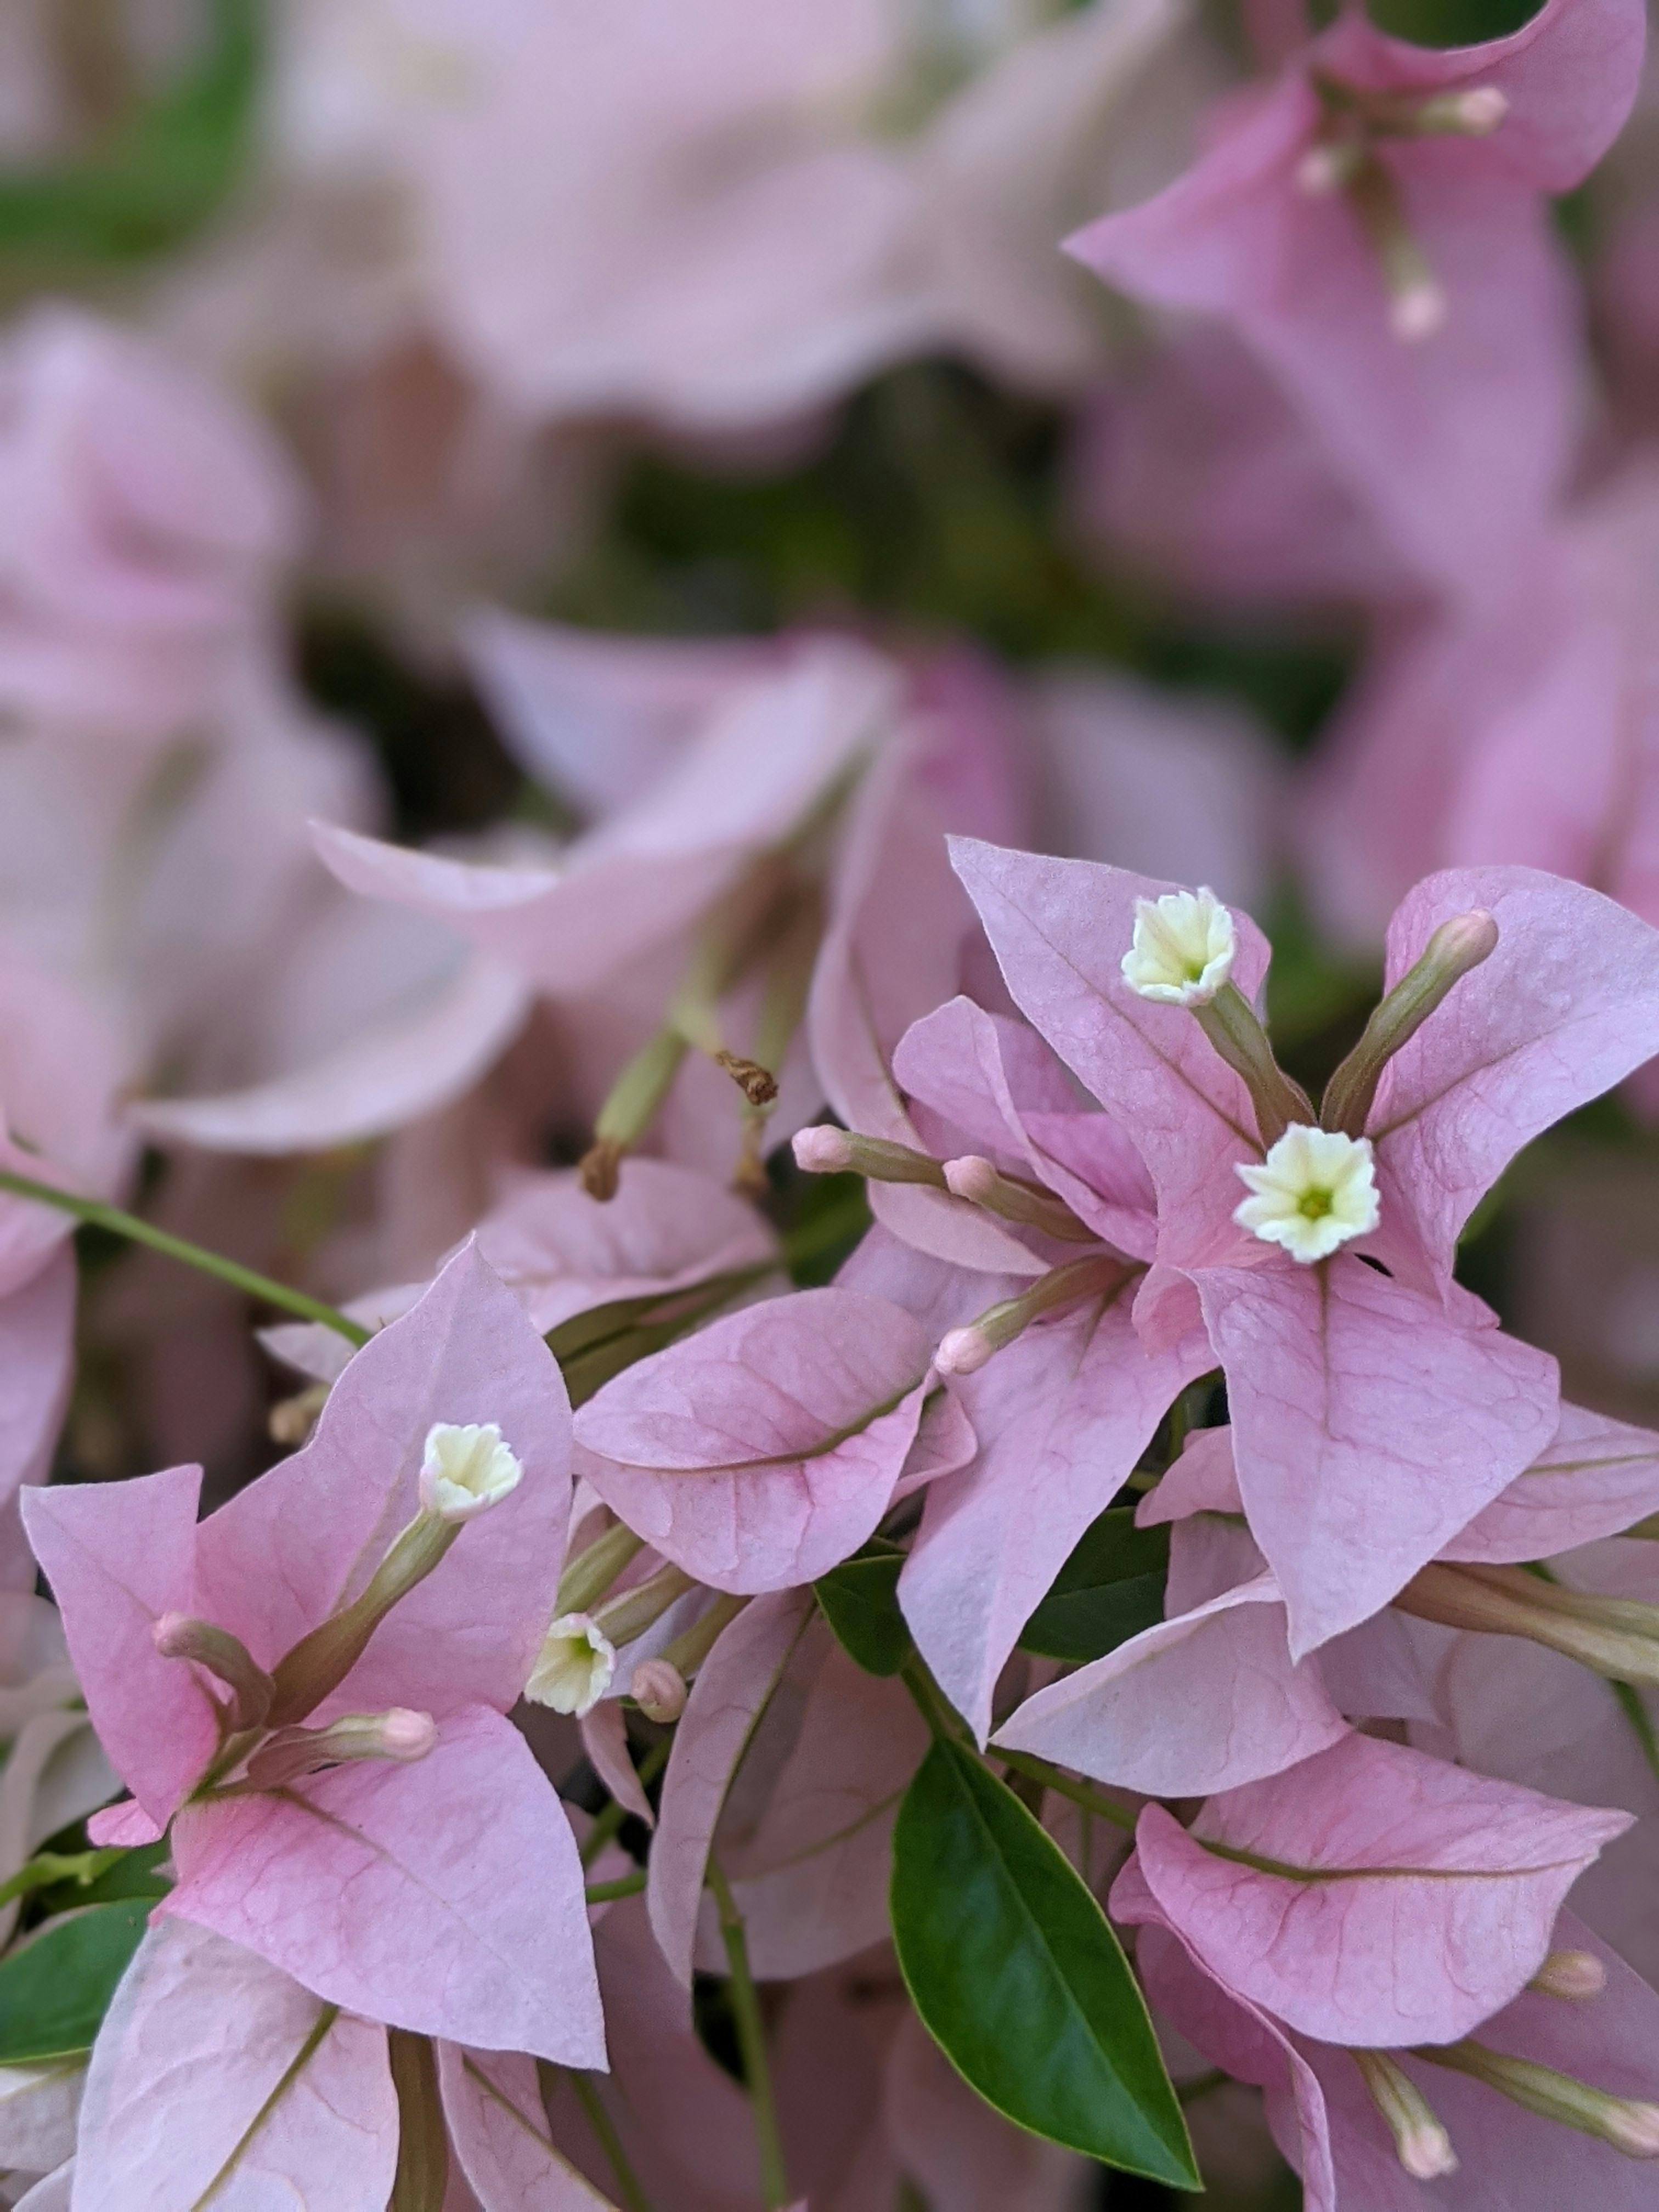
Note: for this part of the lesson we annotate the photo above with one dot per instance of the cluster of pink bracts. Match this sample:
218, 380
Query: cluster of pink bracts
1336, 1799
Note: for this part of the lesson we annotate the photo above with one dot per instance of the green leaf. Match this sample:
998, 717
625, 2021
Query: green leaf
55, 1991
1110, 1590
860, 1600
1015, 1973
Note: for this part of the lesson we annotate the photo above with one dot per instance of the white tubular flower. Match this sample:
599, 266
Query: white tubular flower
1316, 1189
1183, 948
577, 1661
465, 1471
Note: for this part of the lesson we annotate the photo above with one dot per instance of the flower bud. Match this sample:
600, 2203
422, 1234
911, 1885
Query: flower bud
466, 1470
659, 1690
399, 1734
576, 1667
1628, 2124
1573, 1974
981, 1183
1456, 947
965, 1351
1420, 2142
178, 1636
1476, 114
825, 1151
1618, 1638
1328, 166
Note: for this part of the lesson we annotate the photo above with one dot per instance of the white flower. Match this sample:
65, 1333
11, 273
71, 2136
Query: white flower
577, 1661
1316, 1189
1183, 948
466, 1470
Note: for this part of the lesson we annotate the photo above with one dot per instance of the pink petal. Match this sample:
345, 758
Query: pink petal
644, 878
1061, 1415
954, 2146
604, 1739
127, 1826
1203, 1480
1059, 929
411, 1062
1566, 1005
1378, 1942
667, 1227
206, 2057
1596, 1479
893, 946
498, 2131
118, 1555
731, 1690
37, 1361
287, 1552
1570, 75
444, 1897
1233, 2034
810, 1861
1369, 1427
601, 718
991, 1086
1204, 1702
762, 1450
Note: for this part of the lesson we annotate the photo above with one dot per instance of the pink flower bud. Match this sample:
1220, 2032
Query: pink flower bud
659, 1690
1575, 1974
406, 1735
822, 1150
971, 1177
964, 1350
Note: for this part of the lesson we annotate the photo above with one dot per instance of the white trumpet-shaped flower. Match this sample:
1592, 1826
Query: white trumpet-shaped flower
574, 1670
1183, 948
1315, 1190
465, 1471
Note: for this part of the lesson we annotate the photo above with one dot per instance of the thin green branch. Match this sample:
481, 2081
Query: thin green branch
627, 2183
1067, 1785
751, 2042
625, 1885
97, 1215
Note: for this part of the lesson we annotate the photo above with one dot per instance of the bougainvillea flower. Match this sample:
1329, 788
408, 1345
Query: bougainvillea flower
1370, 1896
396, 1884
1372, 224
1064, 1411
1328, 2125
1341, 1370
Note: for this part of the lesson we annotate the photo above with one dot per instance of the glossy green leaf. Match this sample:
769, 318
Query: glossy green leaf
1110, 1590
860, 1600
54, 1990
1014, 1971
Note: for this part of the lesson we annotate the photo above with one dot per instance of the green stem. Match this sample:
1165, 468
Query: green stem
751, 2043
625, 1885
627, 2183
1065, 1785
97, 1215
